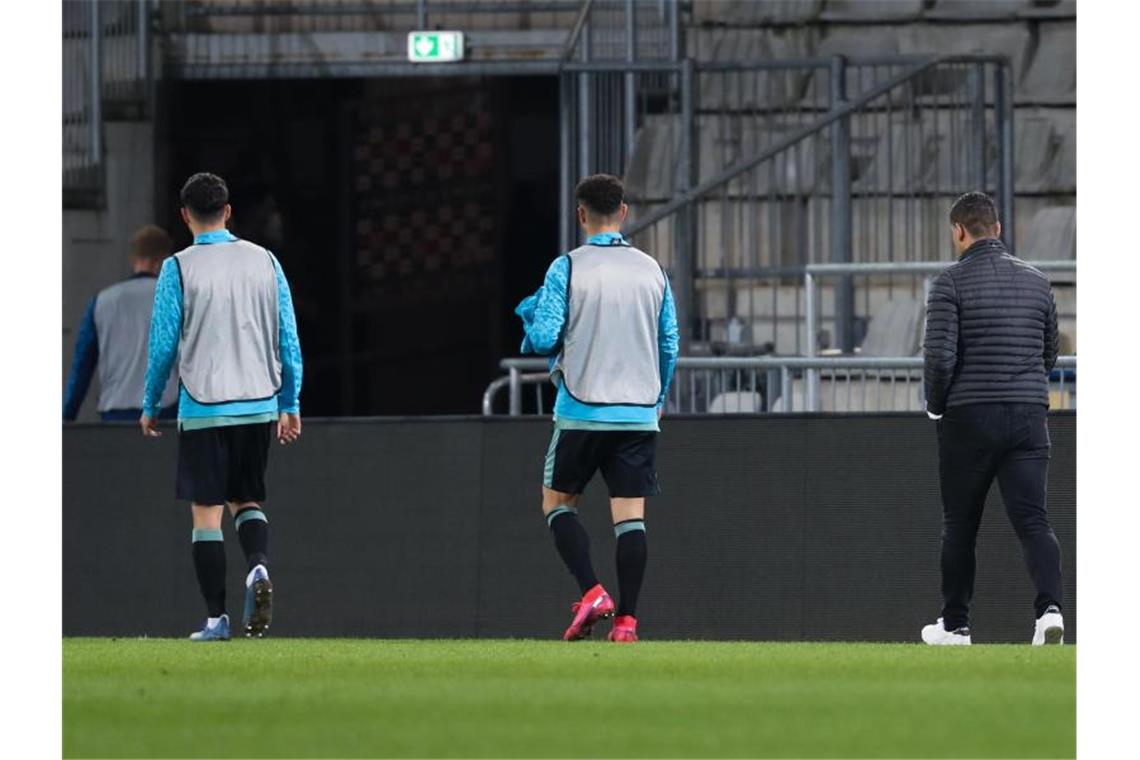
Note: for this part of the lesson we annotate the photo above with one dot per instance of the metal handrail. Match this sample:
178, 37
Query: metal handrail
579, 22
527, 365
525, 370
811, 305
916, 267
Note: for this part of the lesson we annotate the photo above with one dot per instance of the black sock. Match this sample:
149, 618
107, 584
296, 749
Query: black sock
574, 545
253, 534
210, 566
632, 553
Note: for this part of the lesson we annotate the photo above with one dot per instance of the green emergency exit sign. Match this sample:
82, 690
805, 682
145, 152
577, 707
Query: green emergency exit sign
435, 47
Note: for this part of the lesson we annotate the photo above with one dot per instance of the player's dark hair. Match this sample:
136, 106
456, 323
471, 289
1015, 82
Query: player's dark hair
601, 194
976, 212
205, 195
150, 242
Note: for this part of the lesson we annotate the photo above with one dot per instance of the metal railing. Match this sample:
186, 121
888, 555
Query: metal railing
815, 272
769, 384
834, 160
107, 66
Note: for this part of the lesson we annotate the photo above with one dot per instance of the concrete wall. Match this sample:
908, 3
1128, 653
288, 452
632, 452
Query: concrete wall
95, 240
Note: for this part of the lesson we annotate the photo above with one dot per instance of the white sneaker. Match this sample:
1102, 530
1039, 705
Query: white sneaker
936, 634
1050, 628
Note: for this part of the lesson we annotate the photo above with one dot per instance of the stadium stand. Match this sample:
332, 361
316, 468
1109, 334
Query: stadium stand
904, 162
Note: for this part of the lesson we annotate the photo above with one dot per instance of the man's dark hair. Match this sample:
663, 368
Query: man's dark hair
601, 194
976, 212
151, 243
205, 195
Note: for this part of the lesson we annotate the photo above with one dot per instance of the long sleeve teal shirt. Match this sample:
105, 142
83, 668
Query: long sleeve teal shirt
166, 331
547, 311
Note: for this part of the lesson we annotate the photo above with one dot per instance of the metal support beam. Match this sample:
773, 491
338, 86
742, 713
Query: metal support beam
95, 91
584, 107
811, 376
685, 226
1003, 108
142, 38
630, 82
421, 14
841, 210
565, 164
978, 126
516, 391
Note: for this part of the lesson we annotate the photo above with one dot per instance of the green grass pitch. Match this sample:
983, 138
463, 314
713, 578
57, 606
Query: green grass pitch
400, 698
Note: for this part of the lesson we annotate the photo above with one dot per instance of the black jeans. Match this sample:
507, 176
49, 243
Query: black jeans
977, 443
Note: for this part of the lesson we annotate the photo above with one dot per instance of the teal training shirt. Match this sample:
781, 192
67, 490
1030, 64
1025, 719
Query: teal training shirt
544, 333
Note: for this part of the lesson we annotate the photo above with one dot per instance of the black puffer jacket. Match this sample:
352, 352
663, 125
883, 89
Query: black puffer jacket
991, 331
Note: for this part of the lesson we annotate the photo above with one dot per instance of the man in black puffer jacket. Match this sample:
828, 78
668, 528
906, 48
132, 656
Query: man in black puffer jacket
991, 342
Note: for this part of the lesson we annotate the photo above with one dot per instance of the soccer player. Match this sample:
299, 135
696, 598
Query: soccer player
991, 341
606, 315
224, 308
113, 337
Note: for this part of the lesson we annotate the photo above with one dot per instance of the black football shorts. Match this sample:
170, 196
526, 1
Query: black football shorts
627, 459
220, 464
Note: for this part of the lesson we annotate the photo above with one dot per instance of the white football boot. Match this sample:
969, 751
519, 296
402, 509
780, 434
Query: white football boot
1050, 628
936, 634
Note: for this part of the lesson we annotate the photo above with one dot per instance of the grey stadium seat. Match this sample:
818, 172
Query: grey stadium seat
1046, 150
895, 329
736, 402
1052, 235
652, 171
1052, 77
1012, 40
918, 155
754, 88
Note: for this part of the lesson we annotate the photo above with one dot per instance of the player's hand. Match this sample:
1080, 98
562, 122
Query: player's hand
288, 427
660, 411
149, 427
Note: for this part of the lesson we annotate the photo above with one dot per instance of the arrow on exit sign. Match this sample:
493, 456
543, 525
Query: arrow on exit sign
435, 47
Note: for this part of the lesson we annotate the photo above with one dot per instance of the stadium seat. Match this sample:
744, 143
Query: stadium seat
872, 10
726, 141
736, 402
1012, 40
1052, 77
1046, 150
1052, 235
752, 13
734, 233
895, 329
851, 42
751, 89
652, 170
973, 10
